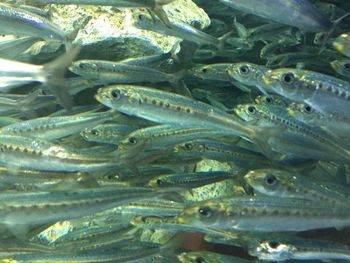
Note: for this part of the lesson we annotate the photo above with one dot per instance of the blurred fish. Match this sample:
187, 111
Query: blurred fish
208, 257
301, 14
342, 44
17, 21
107, 133
299, 249
342, 67
24, 152
13, 73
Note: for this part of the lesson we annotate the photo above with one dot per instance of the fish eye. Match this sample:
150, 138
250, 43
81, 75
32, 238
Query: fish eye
81, 65
251, 109
116, 94
270, 180
204, 70
307, 109
188, 146
244, 70
288, 78
273, 244
199, 260
205, 212
132, 140
140, 17
159, 182
268, 100
94, 132
347, 65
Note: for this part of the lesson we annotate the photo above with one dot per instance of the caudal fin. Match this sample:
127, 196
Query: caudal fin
54, 76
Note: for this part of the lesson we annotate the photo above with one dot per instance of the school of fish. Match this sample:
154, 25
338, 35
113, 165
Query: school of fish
234, 146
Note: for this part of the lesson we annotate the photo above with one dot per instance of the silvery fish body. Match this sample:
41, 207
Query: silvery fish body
50, 128
326, 94
23, 152
16, 21
264, 214
299, 249
298, 13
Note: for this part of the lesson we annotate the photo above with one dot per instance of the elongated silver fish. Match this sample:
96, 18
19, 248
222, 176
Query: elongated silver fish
168, 108
20, 211
50, 128
17, 21
265, 214
298, 13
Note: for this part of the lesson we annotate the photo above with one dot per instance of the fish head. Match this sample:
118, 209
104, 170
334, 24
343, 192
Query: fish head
203, 214
272, 250
142, 21
284, 81
270, 100
116, 97
302, 111
246, 73
263, 181
212, 72
83, 67
188, 147
247, 112
342, 44
89, 134
341, 66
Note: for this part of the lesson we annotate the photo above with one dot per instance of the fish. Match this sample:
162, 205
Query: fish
301, 14
43, 155
342, 67
110, 72
221, 151
249, 74
264, 214
342, 44
293, 185
299, 249
50, 128
297, 134
189, 180
208, 257
107, 133
20, 22
326, 94
335, 125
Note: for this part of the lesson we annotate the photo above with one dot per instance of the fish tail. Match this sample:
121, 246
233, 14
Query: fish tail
222, 40
54, 77
178, 84
158, 11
